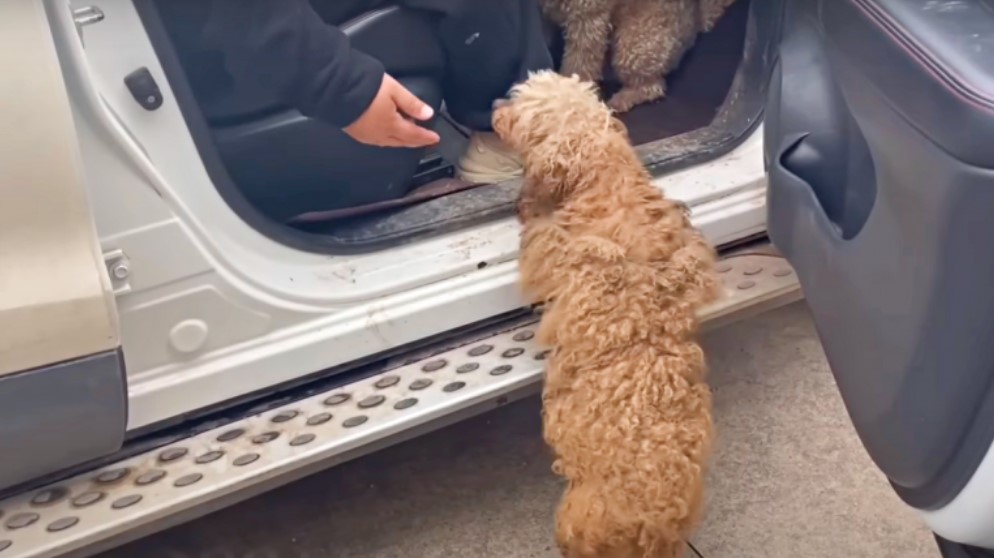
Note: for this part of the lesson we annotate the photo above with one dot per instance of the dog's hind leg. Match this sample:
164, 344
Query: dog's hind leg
586, 35
582, 530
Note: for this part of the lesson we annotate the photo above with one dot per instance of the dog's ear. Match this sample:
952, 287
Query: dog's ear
501, 121
557, 166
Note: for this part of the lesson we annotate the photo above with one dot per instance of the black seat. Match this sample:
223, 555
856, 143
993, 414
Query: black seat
284, 162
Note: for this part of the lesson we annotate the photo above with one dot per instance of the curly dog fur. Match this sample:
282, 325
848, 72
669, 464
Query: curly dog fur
621, 272
650, 38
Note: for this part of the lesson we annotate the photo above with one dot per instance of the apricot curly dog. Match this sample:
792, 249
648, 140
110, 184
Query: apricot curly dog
621, 272
650, 38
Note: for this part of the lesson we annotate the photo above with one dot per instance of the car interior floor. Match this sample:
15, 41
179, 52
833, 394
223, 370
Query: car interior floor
697, 88
695, 91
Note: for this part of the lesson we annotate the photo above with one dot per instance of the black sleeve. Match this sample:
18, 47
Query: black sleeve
286, 48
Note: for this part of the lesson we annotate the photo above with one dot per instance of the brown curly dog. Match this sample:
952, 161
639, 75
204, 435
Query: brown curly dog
650, 38
621, 272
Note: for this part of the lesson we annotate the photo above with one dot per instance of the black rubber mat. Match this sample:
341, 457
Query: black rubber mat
698, 87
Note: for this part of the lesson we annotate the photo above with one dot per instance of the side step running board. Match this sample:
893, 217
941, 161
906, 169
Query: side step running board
156, 490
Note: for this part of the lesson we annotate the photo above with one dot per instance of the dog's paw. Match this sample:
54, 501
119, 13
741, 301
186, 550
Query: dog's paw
531, 205
630, 97
586, 68
525, 208
620, 105
582, 75
709, 21
711, 13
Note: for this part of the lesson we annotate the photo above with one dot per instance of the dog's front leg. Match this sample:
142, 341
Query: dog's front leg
529, 206
533, 203
543, 247
587, 36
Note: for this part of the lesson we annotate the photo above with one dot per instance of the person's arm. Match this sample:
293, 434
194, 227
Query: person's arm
285, 47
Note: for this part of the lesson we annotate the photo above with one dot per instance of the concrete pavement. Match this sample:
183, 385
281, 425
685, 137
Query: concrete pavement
790, 480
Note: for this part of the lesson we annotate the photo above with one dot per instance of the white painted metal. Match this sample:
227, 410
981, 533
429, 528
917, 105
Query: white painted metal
969, 518
103, 508
214, 310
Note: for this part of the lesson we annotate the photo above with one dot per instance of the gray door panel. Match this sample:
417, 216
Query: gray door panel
882, 202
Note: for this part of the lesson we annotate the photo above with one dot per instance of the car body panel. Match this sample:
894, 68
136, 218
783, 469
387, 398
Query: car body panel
63, 396
56, 302
270, 314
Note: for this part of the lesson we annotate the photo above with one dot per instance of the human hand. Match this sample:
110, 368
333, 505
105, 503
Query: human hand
389, 120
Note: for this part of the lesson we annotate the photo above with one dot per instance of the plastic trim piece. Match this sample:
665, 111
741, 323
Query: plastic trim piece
61, 415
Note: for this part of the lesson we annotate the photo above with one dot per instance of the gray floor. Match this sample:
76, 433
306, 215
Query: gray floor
790, 480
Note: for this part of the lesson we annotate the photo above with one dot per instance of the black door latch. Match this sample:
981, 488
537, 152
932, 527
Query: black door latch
144, 89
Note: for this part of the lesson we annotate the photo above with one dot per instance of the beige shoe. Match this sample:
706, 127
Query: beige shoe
488, 161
